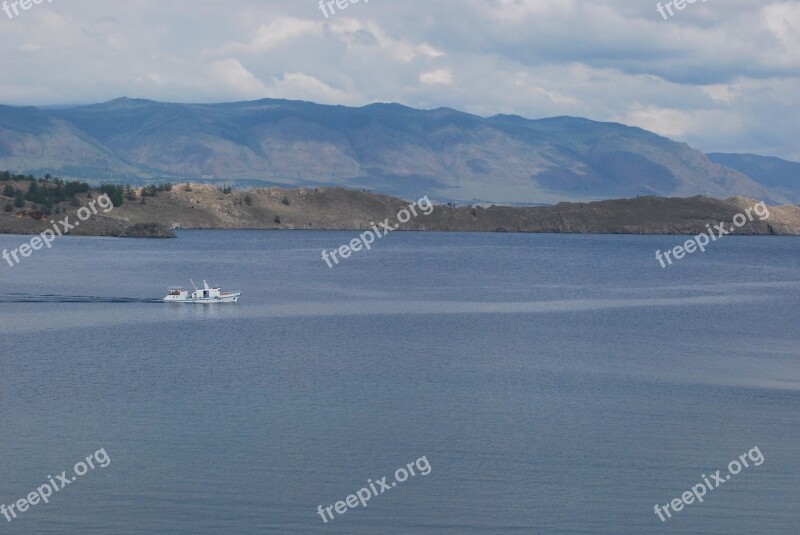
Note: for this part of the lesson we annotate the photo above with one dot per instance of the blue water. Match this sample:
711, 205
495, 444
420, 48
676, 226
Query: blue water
555, 384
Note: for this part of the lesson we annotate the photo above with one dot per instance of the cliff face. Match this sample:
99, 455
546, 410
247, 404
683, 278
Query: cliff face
205, 207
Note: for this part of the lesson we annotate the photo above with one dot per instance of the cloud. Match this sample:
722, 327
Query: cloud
724, 93
520, 11
299, 86
718, 76
783, 21
677, 123
361, 35
439, 76
233, 74
282, 30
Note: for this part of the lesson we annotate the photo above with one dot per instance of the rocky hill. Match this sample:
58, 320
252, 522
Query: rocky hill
206, 207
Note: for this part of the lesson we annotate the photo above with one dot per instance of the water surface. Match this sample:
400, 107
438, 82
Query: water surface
556, 384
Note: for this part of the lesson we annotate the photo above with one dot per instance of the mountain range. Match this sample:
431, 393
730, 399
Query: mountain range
387, 148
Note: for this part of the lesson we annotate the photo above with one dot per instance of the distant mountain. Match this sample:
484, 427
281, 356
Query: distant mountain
386, 148
781, 176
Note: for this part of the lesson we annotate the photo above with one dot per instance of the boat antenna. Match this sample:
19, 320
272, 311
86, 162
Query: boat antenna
193, 286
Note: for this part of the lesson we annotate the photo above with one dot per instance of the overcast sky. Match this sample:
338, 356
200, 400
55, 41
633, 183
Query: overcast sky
719, 75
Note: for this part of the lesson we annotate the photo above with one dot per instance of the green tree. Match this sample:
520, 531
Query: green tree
8, 190
19, 200
74, 187
8, 207
115, 192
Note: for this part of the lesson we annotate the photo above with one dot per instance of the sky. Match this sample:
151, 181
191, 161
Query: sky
721, 76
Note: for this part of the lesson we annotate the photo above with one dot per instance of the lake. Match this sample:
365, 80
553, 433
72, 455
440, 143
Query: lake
552, 383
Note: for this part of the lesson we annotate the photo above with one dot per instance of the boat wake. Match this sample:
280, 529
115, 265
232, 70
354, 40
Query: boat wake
52, 298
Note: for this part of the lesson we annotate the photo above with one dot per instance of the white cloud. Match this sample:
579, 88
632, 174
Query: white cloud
299, 86
440, 76
232, 73
721, 92
677, 123
280, 31
362, 35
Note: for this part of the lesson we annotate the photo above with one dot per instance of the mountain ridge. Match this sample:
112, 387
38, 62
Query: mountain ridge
385, 147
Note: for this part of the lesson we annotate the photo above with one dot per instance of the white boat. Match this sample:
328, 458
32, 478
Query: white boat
205, 295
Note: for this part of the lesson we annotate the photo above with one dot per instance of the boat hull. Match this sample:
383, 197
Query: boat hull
229, 298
